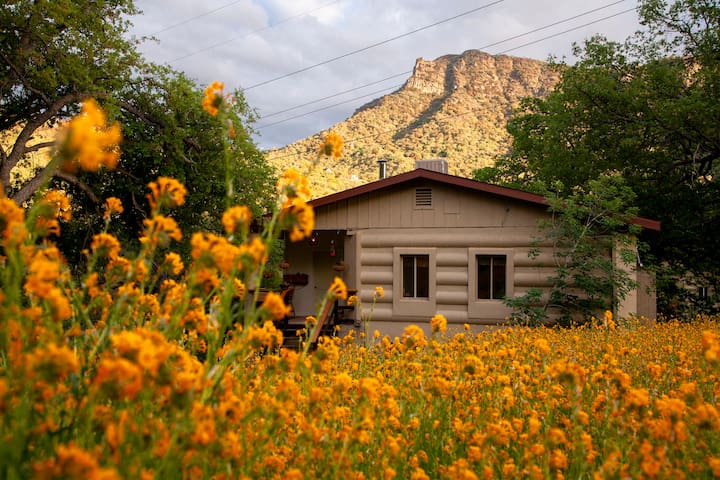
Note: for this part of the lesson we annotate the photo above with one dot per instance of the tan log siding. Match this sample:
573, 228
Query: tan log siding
449, 296
451, 262
458, 220
454, 257
381, 257
375, 276
452, 277
459, 238
532, 277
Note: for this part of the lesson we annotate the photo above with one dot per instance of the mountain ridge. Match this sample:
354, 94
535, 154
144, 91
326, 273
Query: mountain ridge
455, 107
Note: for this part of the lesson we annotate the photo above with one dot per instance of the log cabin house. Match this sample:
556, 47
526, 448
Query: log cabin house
436, 243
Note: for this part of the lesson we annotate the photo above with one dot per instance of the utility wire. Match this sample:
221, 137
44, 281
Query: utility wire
268, 27
328, 107
335, 95
374, 135
383, 42
192, 19
515, 37
568, 30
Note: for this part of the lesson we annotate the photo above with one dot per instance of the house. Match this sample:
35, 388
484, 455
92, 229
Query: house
436, 243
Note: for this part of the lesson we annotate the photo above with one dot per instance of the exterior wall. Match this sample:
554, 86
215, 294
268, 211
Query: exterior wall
452, 276
381, 226
317, 262
458, 225
451, 208
646, 295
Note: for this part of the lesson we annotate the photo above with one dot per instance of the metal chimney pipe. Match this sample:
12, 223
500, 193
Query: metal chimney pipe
382, 173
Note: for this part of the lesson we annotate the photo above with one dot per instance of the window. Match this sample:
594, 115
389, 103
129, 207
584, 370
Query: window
491, 276
415, 276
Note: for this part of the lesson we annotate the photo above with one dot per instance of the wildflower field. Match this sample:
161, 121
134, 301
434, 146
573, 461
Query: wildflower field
150, 368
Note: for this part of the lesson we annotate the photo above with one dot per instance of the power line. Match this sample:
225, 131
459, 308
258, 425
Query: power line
192, 19
335, 95
268, 27
574, 17
383, 42
348, 141
568, 30
327, 107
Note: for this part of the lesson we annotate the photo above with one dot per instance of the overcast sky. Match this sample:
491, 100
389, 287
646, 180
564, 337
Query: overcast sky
287, 53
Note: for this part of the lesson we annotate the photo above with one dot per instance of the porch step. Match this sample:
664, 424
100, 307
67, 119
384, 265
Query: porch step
289, 330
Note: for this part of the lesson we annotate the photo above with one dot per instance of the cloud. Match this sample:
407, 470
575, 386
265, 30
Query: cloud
258, 45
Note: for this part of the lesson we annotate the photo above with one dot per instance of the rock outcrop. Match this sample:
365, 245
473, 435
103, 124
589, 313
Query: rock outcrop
456, 107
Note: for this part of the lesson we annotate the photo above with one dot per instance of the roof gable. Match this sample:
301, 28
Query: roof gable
452, 181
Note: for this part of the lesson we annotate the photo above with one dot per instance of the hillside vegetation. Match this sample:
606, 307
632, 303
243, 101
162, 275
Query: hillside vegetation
455, 107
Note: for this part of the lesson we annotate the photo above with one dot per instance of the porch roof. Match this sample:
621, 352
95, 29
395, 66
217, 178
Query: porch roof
453, 181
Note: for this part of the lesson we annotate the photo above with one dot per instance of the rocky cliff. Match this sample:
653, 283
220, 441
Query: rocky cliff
455, 107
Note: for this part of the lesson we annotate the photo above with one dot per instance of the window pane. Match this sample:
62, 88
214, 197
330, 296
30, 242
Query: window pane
423, 276
498, 277
408, 275
483, 276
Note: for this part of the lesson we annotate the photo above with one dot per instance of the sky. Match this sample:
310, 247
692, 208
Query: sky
305, 65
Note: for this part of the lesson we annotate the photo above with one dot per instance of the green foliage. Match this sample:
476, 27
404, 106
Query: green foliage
57, 54
54, 54
167, 133
586, 230
649, 111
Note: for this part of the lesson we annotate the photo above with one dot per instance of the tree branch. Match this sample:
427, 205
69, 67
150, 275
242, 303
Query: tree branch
19, 149
79, 183
39, 146
27, 190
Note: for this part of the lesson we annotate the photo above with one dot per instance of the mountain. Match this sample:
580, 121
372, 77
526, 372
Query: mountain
455, 107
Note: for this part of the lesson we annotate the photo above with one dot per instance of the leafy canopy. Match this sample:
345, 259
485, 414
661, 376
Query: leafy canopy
648, 110
54, 54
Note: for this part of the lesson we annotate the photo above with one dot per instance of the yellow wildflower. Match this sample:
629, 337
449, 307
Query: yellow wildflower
332, 146
113, 206
166, 192
438, 323
300, 218
239, 288
275, 306
159, 230
213, 97
60, 204
710, 346
105, 245
12, 221
338, 289
174, 263
237, 217
89, 142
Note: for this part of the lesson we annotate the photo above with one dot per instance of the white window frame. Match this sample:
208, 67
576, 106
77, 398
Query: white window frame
488, 308
414, 306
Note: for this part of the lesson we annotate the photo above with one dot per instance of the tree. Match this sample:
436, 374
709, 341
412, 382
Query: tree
173, 137
649, 110
56, 54
53, 55
586, 230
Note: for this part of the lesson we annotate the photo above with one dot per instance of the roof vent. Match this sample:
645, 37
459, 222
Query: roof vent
382, 171
423, 197
434, 164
